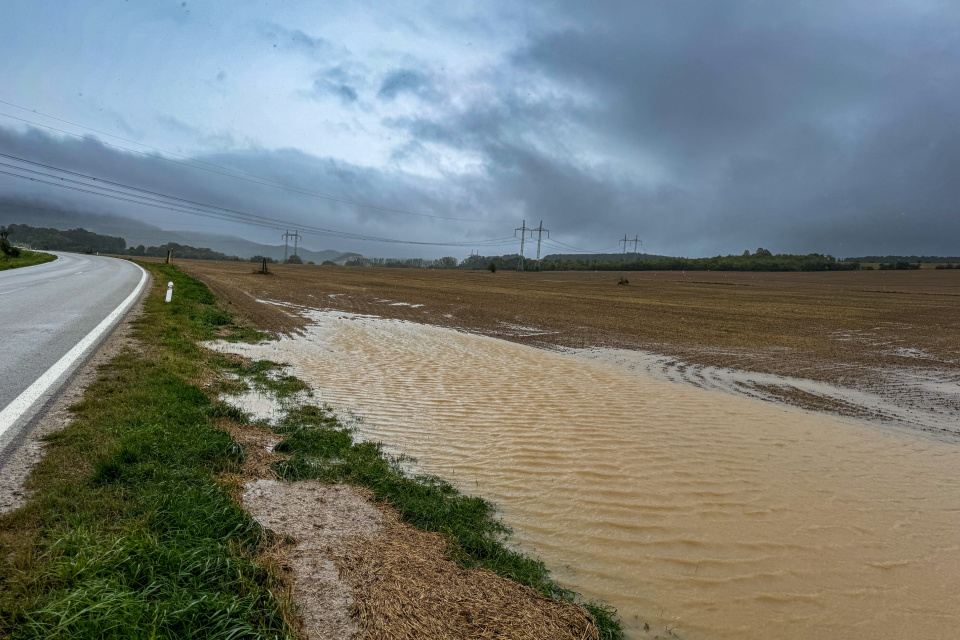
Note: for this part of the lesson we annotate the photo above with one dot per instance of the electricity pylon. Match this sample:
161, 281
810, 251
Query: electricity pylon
286, 241
539, 231
523, 229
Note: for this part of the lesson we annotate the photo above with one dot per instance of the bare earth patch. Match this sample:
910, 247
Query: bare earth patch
355, 571
360, 572
322, 519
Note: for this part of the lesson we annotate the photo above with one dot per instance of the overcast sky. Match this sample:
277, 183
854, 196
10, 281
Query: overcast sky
703, 127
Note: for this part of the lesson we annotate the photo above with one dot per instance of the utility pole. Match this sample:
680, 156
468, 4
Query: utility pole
286, 243
636, 239
624, 243
523, 236
539, 231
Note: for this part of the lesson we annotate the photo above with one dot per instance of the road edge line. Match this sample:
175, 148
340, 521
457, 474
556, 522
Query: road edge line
15, 410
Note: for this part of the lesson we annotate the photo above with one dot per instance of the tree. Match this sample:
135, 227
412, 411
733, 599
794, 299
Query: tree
294, 259
493, 267
5, 247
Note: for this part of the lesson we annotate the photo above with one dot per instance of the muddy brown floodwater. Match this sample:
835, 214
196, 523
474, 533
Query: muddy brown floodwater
706, 514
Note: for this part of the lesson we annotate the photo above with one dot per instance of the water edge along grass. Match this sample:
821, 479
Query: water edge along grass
321, 448
129, 534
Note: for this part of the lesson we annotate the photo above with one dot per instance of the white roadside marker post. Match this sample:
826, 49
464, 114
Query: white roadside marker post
169, 291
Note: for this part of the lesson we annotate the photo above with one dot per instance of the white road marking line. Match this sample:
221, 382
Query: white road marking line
12, 412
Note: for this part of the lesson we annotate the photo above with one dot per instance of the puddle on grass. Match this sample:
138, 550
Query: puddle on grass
260, 406
707, 515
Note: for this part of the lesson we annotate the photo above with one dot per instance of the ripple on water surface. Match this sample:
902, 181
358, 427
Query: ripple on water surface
713, 515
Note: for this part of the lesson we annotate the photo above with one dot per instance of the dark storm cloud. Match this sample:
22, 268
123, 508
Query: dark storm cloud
691, 83
289, 166
804, 127
706, 127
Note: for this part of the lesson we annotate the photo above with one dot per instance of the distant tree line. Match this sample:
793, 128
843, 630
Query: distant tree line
76, 240
448, 262
182, 251
81, 240
907, 259
760, 260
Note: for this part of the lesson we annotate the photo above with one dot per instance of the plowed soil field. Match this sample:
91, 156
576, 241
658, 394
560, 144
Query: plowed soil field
860, 329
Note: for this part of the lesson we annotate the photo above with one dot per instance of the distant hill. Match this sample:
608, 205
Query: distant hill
77, 240
135, 232
232, 245
39, 214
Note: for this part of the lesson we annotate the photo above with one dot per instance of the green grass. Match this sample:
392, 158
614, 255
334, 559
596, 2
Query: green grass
321, 448
128, 534
262, 375
26, 259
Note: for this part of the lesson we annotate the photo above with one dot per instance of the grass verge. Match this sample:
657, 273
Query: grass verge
128, 533
25, 259
321, 448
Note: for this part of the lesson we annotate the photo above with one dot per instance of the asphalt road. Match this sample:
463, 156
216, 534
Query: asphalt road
52, 317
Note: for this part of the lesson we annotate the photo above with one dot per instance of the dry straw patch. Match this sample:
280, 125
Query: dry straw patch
354, 570
359, 572
406, 588
258, 443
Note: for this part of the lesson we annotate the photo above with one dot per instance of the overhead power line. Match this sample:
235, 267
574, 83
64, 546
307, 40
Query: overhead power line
164, 201
268, 182
556, 244
182, 205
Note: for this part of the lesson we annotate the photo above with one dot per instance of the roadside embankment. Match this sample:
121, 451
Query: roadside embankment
136, 524
24, 259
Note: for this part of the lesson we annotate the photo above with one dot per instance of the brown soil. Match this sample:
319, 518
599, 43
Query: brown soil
355, 571
859, 329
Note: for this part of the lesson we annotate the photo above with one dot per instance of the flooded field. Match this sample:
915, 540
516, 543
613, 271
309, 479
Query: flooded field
701, 513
